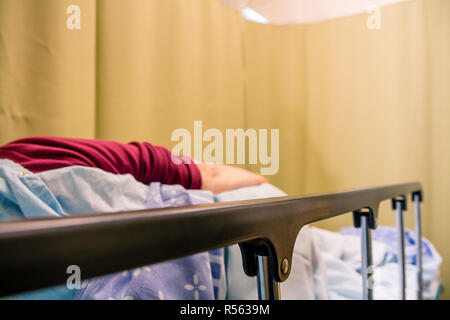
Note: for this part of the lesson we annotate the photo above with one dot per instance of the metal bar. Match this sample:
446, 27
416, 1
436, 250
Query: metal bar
366, 255
36, 253
401, 250
418, 227
268, 288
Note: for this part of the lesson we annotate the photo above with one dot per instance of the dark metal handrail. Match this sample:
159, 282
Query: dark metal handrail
36, 253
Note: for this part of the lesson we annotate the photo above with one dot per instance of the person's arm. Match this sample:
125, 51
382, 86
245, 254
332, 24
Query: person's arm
219, 178
144, 161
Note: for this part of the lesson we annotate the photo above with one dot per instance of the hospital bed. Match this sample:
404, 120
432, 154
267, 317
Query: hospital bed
35, 253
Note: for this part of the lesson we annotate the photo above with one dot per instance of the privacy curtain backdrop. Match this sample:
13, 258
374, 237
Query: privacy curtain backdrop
355, 107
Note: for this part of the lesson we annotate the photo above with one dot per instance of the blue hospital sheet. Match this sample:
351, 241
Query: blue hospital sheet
82, 190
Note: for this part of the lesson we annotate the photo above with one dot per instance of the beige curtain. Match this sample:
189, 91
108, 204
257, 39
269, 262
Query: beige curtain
163, 64
355, 107
47, 72
378, 110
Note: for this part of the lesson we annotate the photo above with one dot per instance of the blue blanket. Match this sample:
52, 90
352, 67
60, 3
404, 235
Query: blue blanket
81, 190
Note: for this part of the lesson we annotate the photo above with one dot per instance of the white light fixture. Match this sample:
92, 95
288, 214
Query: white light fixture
252, 15
281, 12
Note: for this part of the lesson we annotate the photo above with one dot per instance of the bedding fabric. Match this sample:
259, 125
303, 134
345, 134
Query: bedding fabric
326, 265
431, 259
342, 255
81, 190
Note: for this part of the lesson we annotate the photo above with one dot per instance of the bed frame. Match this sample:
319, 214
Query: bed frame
36, 253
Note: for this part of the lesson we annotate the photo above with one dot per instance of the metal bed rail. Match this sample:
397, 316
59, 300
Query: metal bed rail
36, 253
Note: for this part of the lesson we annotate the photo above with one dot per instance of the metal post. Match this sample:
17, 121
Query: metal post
366, 257
401, 249
268, 288
418, 223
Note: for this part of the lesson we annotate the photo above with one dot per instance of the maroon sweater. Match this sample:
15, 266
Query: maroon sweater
144, 161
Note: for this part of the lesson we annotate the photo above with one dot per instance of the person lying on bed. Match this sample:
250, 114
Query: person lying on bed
144, 161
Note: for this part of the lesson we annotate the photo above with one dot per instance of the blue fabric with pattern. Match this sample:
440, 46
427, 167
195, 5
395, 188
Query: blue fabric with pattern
190, 278
81, 190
